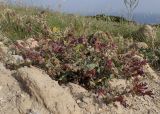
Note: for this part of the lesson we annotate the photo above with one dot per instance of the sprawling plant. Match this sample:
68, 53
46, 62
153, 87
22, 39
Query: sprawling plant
90, 61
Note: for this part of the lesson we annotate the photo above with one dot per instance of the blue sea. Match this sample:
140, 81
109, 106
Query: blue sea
142, 18
147, 18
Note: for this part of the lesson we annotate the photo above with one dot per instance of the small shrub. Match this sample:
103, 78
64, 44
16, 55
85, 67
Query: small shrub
88, 61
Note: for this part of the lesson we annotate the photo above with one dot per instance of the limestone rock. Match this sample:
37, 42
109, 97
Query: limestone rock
21, 43
145, 34
76, 89
150, 72
139, 45
13, 99
7, 57
47, 91
3, 49
148, 32
104, 36
34, 92
86, 100
32, 42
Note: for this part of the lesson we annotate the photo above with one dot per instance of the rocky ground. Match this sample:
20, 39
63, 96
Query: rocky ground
29, 90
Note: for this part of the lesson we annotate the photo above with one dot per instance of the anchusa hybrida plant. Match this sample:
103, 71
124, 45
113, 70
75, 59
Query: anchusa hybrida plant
141, 88
133, 65
88, 61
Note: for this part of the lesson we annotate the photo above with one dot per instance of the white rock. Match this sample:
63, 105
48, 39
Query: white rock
139, 45
22, 44
1, 88
17, 59
76, 89
47, 91
2, 68
3, 48
150, 72
32, 43
146, 34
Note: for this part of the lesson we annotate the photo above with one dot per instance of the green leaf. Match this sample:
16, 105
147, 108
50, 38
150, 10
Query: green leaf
91, 66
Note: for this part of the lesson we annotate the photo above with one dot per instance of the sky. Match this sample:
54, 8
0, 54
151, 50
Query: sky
90, 7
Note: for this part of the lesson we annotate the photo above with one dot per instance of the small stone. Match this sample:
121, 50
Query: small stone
30, 111
2, 68
139, 45
142, 45
3, 48
76, 90
86, 100
32, 43
1, 99
18, 59
82, 105
1, 88
22, 95
78, 101
147, 34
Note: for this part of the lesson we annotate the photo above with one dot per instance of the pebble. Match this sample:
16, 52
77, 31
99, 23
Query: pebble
1, 88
